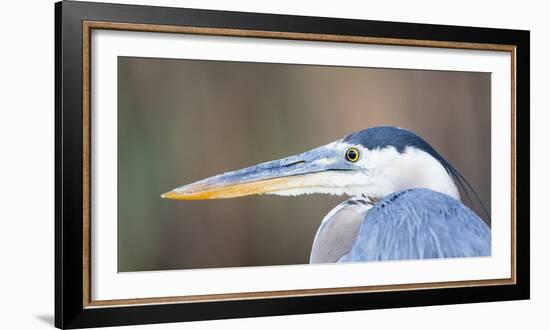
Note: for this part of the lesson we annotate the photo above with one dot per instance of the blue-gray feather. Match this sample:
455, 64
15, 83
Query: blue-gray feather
419, 224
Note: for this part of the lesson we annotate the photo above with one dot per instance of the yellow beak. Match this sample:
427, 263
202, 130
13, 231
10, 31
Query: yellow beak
202, 190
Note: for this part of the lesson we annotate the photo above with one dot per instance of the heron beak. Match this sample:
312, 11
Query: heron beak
294, 172
198, 190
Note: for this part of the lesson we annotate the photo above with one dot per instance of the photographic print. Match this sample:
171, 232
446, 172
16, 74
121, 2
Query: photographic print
354, 164
215, 164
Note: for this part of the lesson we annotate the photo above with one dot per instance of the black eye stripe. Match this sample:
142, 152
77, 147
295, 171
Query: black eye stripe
352, 155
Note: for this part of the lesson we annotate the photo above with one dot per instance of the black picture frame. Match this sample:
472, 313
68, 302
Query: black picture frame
70, 309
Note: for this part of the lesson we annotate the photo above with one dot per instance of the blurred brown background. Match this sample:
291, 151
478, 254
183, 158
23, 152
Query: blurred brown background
184, 120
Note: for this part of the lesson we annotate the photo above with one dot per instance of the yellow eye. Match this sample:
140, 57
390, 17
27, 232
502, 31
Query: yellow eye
352, 155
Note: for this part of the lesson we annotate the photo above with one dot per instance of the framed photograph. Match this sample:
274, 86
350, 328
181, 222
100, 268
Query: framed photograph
216, 164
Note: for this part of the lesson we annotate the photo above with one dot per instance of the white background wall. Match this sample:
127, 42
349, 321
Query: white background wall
26, 163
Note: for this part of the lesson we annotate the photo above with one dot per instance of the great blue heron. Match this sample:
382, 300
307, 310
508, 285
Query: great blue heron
405, 201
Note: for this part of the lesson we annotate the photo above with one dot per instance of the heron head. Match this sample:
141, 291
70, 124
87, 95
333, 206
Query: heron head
374, 162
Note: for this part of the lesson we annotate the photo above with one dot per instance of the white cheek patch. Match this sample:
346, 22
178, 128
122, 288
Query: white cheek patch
393, 171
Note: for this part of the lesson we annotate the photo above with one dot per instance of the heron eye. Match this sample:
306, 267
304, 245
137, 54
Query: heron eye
352, 155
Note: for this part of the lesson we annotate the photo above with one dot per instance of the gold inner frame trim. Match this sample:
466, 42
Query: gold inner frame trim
88, 26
